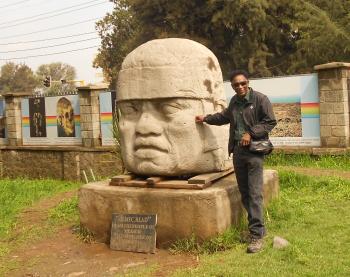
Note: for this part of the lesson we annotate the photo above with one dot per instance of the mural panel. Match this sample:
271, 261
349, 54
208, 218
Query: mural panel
62, 121
296, 105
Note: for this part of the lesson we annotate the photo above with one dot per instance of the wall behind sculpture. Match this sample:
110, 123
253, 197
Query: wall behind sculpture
52, 120
295, 103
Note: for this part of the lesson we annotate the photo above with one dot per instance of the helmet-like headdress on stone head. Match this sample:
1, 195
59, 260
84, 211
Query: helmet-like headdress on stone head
182, 68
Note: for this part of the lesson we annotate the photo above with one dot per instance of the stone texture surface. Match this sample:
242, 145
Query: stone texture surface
57, 163
13, 120
90, 115
162, 85
334, 93
180, 212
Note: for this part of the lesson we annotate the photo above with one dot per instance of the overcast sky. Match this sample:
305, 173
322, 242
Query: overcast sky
28, 24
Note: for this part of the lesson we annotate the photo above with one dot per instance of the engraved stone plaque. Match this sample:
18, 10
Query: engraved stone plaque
133, 232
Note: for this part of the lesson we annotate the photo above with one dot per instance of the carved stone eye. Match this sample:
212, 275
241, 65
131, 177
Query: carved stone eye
129, 108
170, 108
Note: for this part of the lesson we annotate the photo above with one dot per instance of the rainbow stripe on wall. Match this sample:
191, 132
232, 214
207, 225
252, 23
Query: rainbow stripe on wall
50, 121
106, 118
310, 110
77, 119
25, 121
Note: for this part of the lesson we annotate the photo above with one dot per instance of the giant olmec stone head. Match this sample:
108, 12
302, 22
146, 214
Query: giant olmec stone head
162, 85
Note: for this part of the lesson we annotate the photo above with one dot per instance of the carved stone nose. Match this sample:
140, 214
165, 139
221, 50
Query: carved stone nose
148, 124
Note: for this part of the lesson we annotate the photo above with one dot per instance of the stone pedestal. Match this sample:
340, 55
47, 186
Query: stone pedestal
334, 89
181, 212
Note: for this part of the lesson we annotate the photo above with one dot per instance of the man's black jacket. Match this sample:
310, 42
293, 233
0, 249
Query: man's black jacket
258, 116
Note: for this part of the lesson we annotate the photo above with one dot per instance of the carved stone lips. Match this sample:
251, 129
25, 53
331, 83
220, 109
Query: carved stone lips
149, 149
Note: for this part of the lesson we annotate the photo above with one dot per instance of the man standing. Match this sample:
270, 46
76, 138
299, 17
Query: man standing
250, 116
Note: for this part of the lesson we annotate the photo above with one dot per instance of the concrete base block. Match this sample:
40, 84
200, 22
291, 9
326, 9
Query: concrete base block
181, 212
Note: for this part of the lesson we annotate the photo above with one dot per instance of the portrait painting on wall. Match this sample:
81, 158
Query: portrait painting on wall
65, 118
37, 117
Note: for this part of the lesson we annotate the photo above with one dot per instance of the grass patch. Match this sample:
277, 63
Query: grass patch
227, 240
65, 212
341, 162
18, 194
313, 215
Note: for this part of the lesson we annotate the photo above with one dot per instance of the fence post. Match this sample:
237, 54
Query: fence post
90, 122
334, 89
13, 116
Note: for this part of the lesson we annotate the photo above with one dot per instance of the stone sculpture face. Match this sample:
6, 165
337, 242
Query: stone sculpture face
162, 86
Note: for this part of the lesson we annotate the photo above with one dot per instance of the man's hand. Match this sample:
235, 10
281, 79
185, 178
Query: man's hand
199, 118
245, 139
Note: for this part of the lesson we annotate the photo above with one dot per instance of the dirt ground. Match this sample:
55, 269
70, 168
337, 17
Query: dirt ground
63, 254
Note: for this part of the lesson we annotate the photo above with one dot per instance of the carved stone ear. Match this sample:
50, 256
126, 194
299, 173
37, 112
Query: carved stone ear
214, 143
219, 105
210, 139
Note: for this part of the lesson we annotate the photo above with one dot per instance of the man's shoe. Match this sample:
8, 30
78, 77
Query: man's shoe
255, 245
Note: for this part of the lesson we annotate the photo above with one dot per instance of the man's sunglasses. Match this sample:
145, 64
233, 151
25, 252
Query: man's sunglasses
236, 85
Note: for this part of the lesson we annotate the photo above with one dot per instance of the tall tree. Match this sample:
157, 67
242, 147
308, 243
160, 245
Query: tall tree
17, 78
118, 31
265, 37
57, 71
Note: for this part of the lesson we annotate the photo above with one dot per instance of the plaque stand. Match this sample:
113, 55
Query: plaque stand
197, 182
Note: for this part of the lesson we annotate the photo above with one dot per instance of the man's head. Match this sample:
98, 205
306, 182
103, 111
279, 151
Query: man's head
240, 82
162, 86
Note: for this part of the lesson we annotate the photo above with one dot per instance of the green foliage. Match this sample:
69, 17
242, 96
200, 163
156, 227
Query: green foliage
15, 195
305, 160
17, 78
265, 37
117, 141
190, 245
58, 71
313, 215
118, 31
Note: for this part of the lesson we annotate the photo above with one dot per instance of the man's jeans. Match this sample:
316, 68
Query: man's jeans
249, 174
